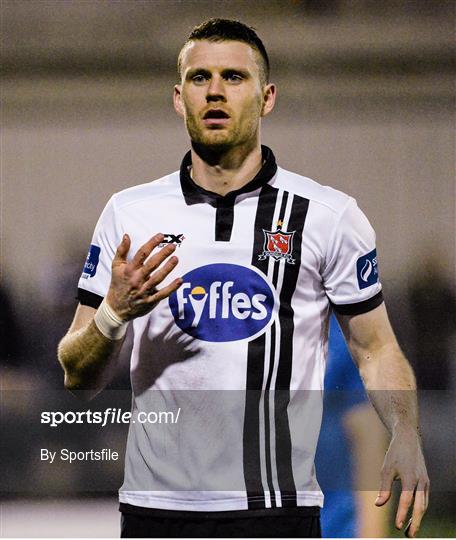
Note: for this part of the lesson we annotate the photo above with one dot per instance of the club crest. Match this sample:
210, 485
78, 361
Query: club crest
278, 244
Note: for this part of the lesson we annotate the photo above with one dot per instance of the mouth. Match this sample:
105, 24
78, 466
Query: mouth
214, 117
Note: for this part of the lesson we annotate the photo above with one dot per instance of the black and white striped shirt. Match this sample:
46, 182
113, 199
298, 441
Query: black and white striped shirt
239, 350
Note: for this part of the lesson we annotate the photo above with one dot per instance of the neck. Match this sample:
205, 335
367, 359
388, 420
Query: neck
226, 170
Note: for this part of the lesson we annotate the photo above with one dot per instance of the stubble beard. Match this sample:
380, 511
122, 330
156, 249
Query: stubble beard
222, 140
217, 140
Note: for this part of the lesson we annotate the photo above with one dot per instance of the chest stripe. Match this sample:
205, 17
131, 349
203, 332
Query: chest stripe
282, 384
268, 379
255, 369
224, 217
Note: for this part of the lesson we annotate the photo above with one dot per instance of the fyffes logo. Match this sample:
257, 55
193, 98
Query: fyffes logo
223, 302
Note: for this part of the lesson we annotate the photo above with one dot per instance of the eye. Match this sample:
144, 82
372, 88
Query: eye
199, 79
234, 78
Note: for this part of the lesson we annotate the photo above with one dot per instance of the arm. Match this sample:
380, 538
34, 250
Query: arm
390, 383
88, 355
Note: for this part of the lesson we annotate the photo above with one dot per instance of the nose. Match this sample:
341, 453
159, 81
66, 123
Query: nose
215, 90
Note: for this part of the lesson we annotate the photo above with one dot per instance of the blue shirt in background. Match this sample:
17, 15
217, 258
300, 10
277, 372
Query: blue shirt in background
343, 391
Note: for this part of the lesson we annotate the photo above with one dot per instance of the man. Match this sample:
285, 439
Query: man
238, 341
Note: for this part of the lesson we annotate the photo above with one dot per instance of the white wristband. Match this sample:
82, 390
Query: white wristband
108, 322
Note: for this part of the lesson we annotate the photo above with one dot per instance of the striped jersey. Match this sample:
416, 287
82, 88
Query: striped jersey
229, 369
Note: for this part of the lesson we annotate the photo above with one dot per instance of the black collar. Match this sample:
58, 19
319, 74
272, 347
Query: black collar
194, 194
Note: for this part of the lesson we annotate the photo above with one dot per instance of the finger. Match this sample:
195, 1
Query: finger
122, 250
419, 509
165, 292
383, 497
156, 296
407, 528
384, 493
405, 500
155, 261
426, 493
158, 276
145, 250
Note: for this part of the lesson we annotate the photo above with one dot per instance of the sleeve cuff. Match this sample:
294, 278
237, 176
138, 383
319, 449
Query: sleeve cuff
87, 298
359, 307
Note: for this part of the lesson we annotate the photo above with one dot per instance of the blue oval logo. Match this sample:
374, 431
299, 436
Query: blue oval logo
222, 302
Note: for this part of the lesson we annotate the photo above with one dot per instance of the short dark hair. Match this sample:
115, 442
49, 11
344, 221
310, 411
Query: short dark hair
229, 30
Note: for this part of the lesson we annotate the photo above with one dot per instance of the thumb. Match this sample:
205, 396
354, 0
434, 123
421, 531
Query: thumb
122, 250
383, 497
384, 492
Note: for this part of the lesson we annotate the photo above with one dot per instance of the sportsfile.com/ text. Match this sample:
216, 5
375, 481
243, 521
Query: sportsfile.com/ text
109, 416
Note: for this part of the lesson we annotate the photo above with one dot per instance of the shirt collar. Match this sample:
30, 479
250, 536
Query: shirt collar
194, 194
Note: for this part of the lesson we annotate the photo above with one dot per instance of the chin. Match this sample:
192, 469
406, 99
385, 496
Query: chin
215, 141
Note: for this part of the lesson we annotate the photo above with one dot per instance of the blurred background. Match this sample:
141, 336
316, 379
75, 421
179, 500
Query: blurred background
366, 105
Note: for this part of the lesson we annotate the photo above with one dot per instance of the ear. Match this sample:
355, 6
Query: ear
269, 97
177, 100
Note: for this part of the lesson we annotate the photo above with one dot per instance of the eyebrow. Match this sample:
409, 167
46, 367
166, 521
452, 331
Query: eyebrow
196, 71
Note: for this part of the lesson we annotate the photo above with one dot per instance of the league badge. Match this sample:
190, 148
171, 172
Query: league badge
278, 244
91, 263
367, 269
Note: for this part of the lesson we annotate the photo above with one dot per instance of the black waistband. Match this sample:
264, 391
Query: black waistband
305, 511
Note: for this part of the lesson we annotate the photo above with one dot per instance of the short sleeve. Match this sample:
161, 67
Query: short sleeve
96, 275
350, 274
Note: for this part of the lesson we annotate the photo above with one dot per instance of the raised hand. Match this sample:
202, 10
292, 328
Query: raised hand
133, 291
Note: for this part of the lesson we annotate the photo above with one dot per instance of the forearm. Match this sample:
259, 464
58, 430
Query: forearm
88, 358
390, 383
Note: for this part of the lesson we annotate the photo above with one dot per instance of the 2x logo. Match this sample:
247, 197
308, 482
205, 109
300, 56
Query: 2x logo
172, 239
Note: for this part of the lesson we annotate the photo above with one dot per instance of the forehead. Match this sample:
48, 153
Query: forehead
218, 55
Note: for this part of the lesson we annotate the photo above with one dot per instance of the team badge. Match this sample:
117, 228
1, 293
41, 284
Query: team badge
172, 239
278, 244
